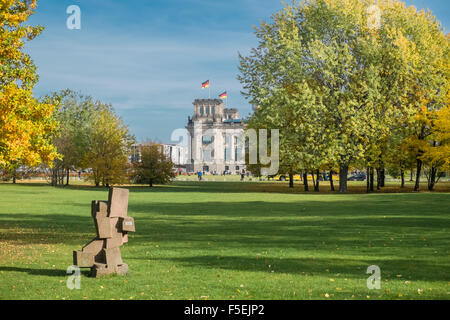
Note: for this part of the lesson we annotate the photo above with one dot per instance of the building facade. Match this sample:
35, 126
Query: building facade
177, 153
216, 138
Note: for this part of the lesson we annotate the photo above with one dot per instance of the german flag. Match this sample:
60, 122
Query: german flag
223, 95
205, 84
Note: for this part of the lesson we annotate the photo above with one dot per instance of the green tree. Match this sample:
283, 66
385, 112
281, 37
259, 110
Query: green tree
316, 52
354, 82
74, 117
154, 167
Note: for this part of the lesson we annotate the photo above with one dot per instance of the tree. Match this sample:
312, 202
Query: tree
399, 157
422, 40
108, 147
26, 124
428, 139
355, 83
441, 153
319, 49
436, 149
74, 117
288, 141
154, 166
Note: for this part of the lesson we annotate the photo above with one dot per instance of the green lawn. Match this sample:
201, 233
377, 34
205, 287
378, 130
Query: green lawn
228, 240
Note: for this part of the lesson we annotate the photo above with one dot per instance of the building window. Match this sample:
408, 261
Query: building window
201, 110
213, 110
227, 155
207, 155
237, 168
207, 110
207, 139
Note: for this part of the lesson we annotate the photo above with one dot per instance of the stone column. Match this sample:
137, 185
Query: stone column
197, 144
242, 142
219, 149
224, 137
232, 146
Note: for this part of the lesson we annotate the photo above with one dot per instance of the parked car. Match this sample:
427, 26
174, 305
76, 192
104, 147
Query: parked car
285, 177
357, 177
299, 177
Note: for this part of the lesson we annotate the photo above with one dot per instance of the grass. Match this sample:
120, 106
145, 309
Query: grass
228, 240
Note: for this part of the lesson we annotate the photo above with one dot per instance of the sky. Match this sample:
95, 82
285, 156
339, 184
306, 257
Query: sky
149, 58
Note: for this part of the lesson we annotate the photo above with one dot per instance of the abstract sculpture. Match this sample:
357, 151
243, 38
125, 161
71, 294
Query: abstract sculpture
102, 254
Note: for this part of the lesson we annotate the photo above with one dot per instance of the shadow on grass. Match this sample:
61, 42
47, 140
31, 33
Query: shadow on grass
254, 223
37, 272
350, 268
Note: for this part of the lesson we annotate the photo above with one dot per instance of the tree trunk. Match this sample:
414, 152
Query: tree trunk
67, 176
368, 180
14, 178
313, 180
378, 178
151, 183
331, 180
291, 180
412, 176
54, 179
402, 174
305, 181
316, 185
432, 180
372, 174
418, 173
343, 172
383, 177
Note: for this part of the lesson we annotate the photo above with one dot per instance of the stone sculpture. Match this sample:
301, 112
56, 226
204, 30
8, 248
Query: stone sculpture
102, 254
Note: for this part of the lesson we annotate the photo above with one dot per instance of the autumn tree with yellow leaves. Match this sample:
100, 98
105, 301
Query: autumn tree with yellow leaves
26, 123
108, 147
432, 143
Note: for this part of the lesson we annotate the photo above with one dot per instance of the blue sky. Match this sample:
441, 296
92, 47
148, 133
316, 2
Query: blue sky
149, 58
